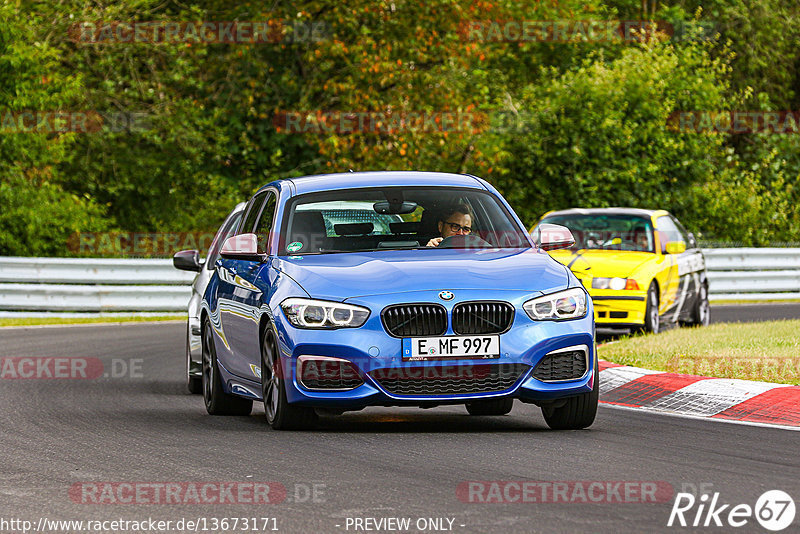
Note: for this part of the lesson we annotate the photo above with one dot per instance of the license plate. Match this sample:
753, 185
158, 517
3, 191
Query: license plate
451, 347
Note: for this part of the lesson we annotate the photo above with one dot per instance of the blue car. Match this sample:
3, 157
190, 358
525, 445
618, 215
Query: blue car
343, 291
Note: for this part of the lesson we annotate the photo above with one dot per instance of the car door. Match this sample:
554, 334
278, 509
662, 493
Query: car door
200, 283
235, 297
691, 266
677, 290
248, 294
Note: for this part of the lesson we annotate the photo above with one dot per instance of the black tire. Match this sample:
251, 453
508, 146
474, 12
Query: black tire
193, 383
701, 312
500, 406
279, 413
579, 411
216, 400
652, 321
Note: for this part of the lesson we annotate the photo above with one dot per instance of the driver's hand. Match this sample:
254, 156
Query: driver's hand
434, 242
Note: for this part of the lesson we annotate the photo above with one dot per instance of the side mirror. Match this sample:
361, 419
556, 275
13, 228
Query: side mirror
675, 247
692, 241
552, 236
241, 247
187, 260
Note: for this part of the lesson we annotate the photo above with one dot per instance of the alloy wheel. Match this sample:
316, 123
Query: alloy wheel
270, 379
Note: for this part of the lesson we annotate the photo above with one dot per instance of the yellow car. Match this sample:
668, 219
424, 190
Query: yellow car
641, 267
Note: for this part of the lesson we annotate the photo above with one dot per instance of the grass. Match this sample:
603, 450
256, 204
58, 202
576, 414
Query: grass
768, 352
36, 321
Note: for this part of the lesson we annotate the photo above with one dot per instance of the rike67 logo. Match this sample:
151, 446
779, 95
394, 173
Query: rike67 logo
774, 510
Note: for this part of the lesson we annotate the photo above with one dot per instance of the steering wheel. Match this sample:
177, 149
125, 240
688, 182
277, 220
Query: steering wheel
464, 241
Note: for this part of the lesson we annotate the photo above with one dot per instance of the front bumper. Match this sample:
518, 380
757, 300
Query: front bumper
373, 352
618, 308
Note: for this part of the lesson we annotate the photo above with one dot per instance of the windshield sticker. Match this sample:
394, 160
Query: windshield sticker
294, 246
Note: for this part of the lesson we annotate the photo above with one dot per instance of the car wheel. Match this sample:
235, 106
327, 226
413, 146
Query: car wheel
701, 314
491, 407
216, 400
579, 411
651, 317
280, 414
193, 383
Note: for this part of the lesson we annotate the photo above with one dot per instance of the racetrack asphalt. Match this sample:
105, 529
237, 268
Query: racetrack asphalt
751, 313
378, 463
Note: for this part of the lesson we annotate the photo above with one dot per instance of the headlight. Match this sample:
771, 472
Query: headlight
614, 283
308, 313
569, 304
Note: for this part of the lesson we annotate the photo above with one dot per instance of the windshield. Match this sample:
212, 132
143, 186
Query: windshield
607, 232
358, 220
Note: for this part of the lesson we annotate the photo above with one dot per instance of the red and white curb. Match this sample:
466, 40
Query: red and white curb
728, 399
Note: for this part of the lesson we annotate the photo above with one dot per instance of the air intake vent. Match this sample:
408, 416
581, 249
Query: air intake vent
449, 379
482, 317
320, 373
563, 365
415, 320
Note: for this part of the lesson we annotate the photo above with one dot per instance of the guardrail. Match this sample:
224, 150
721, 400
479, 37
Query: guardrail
753, 273
145, 285
93, 285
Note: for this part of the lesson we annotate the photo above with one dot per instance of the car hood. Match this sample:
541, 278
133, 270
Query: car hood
342, 276
602, 263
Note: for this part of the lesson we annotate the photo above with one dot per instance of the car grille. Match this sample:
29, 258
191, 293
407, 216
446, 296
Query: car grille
414, 320
561, 366
449, 379
482, 317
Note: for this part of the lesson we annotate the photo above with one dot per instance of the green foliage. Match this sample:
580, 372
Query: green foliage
764, 40
38, 219
590, 129
598, 136
36, 214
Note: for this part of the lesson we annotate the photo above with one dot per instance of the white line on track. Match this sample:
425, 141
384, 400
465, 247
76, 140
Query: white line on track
698, 417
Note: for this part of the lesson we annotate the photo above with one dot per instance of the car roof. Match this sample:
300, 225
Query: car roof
349, 180
606, 211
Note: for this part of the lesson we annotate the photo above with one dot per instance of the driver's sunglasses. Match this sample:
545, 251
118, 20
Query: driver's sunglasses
457, 228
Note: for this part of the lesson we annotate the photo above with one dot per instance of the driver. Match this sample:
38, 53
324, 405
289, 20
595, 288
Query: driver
640, 240
456, 220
